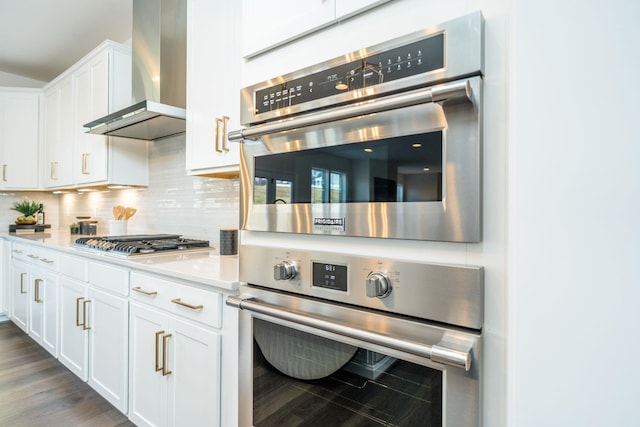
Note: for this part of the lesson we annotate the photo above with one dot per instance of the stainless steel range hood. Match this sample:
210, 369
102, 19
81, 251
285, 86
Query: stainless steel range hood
159, 46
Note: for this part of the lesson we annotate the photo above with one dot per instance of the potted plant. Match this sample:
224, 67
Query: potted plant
74, 228
28, 209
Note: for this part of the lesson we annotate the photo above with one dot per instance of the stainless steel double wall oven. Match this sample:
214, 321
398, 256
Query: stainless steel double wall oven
384, 143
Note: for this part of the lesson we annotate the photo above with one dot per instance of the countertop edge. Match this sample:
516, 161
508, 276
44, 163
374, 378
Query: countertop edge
56, 241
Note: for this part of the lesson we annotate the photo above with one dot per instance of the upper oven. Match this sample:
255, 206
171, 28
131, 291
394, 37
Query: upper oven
382, 142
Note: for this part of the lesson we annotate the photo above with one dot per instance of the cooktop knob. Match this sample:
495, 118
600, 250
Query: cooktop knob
378, 285
285, 270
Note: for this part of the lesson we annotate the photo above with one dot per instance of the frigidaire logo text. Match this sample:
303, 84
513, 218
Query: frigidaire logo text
329, 221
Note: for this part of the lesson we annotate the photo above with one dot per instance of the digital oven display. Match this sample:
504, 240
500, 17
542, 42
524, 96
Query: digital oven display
330, 276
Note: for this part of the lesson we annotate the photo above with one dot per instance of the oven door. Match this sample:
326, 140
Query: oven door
308, 362
406, 166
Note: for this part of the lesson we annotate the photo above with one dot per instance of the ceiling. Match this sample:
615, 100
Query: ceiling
42, 38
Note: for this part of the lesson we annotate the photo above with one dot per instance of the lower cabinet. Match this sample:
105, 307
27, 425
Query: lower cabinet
174, 370
20, 294
43, 308
94, 338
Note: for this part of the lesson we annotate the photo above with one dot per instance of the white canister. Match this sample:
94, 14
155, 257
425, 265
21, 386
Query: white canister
117, 227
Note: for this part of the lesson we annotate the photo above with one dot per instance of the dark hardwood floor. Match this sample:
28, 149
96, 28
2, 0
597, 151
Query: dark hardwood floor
37, 390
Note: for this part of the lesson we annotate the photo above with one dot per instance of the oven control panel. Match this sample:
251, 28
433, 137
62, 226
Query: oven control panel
429, 291
397, 63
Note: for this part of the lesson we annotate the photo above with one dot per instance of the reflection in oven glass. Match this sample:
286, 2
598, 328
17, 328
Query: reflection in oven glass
405, 394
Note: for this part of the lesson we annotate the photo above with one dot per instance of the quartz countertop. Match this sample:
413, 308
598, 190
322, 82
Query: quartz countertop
202, 266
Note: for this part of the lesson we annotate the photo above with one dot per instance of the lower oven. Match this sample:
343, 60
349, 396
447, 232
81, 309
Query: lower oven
337, 340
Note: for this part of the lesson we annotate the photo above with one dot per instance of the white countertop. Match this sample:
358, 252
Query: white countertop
202, 266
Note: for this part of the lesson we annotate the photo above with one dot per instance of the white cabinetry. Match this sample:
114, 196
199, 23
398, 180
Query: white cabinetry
94, 325
270, 24
20, 294
58, 134
34, 294
213, 87
19, 135
174, 358
43, 308
100, 83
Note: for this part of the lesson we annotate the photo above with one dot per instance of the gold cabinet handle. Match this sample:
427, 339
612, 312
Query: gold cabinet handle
32, 256
85, 169
184, 304
36, 289
165, 371
22, 291
4, 172
78, 311
225, 119
53, 171
48, 261
158, 366
17, 251
85, 303
218, 121
142, 291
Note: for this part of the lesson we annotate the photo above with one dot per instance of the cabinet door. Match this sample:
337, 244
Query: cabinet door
20, 294
109, 347
58, 135
19, 132
213, 83
43, 302
194, 382
91, 102
270, 24
73, 308
147, 386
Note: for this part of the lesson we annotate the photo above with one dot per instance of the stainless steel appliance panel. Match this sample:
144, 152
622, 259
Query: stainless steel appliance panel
450, 294
403, 339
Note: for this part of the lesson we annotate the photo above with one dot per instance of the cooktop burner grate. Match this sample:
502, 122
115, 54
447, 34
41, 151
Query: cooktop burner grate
140, 244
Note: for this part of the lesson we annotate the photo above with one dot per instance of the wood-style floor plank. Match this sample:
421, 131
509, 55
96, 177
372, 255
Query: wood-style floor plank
37, 390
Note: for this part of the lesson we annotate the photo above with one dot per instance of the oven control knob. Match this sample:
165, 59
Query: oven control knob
285, 270
378, 285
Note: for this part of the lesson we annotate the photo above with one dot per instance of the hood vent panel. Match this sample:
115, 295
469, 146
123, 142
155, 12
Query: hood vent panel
159, 45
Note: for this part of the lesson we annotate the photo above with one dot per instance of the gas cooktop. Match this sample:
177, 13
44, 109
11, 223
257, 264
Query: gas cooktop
141, 244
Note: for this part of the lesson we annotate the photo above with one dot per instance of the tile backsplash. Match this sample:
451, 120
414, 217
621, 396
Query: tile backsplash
173, 203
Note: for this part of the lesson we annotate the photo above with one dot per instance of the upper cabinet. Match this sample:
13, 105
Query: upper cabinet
270, 24
98, 84
214, 66
19, 135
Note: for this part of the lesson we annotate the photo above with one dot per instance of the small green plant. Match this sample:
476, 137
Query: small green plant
27, 208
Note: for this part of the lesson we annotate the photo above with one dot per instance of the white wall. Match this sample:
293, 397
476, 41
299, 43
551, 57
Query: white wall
13, 80
574, 210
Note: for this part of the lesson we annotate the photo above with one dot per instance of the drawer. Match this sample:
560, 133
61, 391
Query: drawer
193, 303
35, 255
109, 277
73, 266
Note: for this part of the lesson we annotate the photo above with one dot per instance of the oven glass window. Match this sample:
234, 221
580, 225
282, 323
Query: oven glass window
370, 389
275, 190
401, 169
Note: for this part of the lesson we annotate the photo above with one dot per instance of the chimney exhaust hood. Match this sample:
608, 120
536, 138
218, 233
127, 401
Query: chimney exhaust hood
159, 46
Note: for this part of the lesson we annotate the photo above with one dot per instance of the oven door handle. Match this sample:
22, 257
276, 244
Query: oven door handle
460, 90
437, 353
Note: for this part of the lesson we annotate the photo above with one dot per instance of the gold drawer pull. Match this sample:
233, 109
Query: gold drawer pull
140, 290
48, 261
184, 304
165, 370
22, 275
36, 290
85, 303
158, 366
